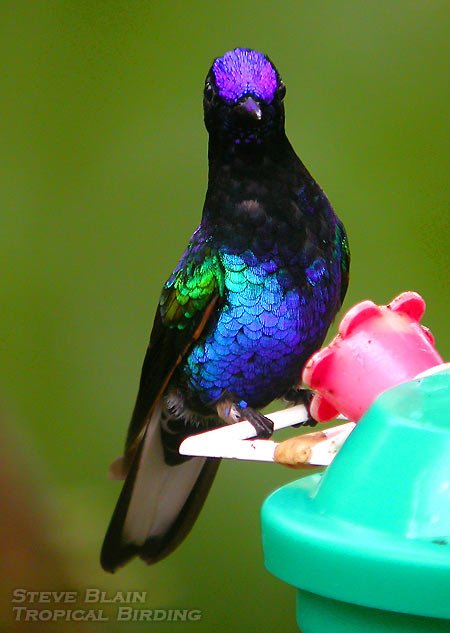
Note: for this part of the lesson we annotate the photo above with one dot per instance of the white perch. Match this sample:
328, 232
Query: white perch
232, 442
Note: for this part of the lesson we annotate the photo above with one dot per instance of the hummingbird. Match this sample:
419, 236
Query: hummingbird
250, 300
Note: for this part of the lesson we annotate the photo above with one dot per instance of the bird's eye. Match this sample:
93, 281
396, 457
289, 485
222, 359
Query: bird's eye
281, 90
209, 91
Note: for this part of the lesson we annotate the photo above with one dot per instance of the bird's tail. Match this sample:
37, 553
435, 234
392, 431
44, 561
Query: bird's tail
158, 504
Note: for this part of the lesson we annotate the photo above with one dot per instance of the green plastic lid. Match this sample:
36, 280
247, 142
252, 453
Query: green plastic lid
374, 529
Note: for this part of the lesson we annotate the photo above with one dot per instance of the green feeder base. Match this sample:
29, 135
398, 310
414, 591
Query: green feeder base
367, 543
315, 613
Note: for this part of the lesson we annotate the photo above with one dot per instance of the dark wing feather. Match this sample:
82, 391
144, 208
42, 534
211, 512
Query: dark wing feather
186, 305
342, 244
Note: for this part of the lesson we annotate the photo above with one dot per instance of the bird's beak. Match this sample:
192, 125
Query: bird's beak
249, 108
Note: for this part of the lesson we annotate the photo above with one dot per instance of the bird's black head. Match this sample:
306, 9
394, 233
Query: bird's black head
243, 98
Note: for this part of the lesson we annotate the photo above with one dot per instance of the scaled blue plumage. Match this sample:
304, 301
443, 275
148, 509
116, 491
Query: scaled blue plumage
265, 330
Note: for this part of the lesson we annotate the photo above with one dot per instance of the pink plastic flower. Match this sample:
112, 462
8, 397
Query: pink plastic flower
377, 347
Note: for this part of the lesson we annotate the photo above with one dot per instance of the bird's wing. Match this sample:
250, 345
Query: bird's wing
185, 307
342, 244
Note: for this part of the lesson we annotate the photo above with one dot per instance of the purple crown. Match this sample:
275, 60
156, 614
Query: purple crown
243, 70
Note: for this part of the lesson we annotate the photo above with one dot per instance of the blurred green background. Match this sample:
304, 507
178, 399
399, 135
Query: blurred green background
103, 173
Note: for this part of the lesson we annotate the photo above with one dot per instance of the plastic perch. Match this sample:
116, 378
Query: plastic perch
377, 347
233, 442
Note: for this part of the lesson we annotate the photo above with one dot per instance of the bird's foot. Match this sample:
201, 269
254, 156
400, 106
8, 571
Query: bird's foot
262, 425
231, 411
301, 396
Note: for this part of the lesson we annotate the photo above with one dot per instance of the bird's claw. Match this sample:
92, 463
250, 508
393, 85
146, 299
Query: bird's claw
301, 396
262, 425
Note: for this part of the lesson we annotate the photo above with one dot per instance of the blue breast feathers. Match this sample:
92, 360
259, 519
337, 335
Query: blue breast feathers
264, 332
